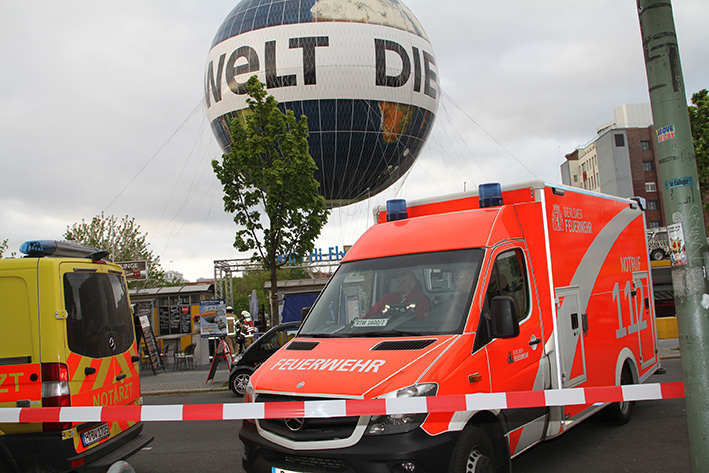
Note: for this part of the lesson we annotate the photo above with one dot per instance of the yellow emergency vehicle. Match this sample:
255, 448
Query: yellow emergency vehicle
66, 339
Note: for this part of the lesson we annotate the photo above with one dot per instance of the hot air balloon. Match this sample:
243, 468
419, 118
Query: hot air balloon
362, 71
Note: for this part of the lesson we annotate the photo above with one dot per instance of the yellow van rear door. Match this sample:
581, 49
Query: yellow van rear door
101, 343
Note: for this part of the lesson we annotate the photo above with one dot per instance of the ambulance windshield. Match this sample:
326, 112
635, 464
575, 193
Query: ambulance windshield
417, 294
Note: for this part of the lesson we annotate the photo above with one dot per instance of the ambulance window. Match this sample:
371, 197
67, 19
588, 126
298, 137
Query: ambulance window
99, 321
509, 278
400, 295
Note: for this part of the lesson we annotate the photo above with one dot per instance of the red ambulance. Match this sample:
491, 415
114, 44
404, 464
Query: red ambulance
535, 287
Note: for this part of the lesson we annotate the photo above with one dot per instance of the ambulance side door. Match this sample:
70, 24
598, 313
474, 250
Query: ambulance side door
517, 364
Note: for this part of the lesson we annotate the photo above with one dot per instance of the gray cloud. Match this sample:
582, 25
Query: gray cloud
101, 109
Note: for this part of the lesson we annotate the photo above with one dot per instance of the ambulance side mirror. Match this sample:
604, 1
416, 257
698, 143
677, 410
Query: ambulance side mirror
504, 322
304, 312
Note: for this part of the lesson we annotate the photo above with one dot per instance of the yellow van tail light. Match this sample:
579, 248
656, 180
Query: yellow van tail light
55, 392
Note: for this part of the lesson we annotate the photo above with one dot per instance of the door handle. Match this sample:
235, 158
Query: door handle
120, 377
135, 359
535, 341
574, 321
89, 370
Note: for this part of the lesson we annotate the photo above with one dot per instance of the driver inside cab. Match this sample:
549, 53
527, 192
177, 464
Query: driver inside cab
409, 295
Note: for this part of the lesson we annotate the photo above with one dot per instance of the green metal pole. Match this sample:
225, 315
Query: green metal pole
679, 185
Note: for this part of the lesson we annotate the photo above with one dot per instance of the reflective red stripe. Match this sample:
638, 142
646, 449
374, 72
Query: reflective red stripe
369, 407
517, 400
446, 404
278, 410
124, 413
604, 394
40, 414
352, 407
203, 412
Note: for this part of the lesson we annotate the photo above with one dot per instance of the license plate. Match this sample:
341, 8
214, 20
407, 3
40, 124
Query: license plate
91, 436
281, 470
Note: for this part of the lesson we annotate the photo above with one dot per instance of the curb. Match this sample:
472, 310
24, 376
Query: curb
160, 392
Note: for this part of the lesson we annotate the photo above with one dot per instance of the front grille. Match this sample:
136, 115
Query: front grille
307, 430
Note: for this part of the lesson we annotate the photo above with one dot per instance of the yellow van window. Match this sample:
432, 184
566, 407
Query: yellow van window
99, 321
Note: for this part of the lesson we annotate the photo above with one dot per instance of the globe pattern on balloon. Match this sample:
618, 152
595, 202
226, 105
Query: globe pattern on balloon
362, 71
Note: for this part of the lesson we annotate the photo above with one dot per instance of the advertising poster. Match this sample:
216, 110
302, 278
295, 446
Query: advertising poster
212, 322
150, 343
678, 252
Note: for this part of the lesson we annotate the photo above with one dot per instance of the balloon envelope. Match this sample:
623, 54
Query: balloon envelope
362, 71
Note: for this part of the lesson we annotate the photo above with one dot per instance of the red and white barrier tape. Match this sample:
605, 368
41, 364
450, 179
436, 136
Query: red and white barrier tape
346, 407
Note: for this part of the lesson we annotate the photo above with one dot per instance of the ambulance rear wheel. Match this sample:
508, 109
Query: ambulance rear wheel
238, 381
619, 413
474, 452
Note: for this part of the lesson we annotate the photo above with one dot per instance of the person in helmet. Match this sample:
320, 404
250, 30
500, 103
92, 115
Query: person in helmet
232, 329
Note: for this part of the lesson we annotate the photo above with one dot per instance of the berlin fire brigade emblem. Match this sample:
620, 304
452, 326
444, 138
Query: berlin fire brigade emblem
557, 218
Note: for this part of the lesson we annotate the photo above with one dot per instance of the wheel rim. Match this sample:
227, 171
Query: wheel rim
624, 407
478, 462
240, 382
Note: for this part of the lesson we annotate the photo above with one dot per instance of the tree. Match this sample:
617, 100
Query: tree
699, 120
123, 239
3, 247
268, 172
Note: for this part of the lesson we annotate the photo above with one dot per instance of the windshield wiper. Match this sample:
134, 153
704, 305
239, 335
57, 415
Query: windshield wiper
322, 335
386, 333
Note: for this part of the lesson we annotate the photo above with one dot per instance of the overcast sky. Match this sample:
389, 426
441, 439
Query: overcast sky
101, 109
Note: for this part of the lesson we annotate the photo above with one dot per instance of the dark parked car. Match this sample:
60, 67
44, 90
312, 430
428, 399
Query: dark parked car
258, 352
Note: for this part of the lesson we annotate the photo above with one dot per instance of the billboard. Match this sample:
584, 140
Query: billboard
134, 270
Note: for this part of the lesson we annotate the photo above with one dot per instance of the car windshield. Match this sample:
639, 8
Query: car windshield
408, 295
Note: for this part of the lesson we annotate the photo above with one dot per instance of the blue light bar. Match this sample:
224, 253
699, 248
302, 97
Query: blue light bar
39, 248
490, 195
396, 210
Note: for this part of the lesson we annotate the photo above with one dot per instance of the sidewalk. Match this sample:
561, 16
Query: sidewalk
668, 348
194, 381
183, 381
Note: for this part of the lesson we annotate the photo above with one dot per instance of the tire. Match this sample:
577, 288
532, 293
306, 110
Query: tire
619, 413
238, 382
657, 255
6, 465
474, 453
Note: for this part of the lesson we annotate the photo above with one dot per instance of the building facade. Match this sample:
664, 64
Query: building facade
621, 160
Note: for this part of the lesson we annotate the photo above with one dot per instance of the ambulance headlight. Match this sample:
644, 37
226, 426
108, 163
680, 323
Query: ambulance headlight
400, 423
249, 394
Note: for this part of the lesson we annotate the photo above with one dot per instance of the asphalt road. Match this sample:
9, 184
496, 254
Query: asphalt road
655, 440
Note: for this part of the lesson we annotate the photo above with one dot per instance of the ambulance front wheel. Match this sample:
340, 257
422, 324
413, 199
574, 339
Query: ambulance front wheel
6, 465
474, 453
238, 381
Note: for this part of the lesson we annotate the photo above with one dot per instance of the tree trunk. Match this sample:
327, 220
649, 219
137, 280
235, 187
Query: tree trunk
275, 319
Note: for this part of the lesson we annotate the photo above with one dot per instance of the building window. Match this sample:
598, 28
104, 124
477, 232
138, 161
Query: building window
648, 166
576, 178
650, 187
654, 224
645, 145
619, 140
652, 205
